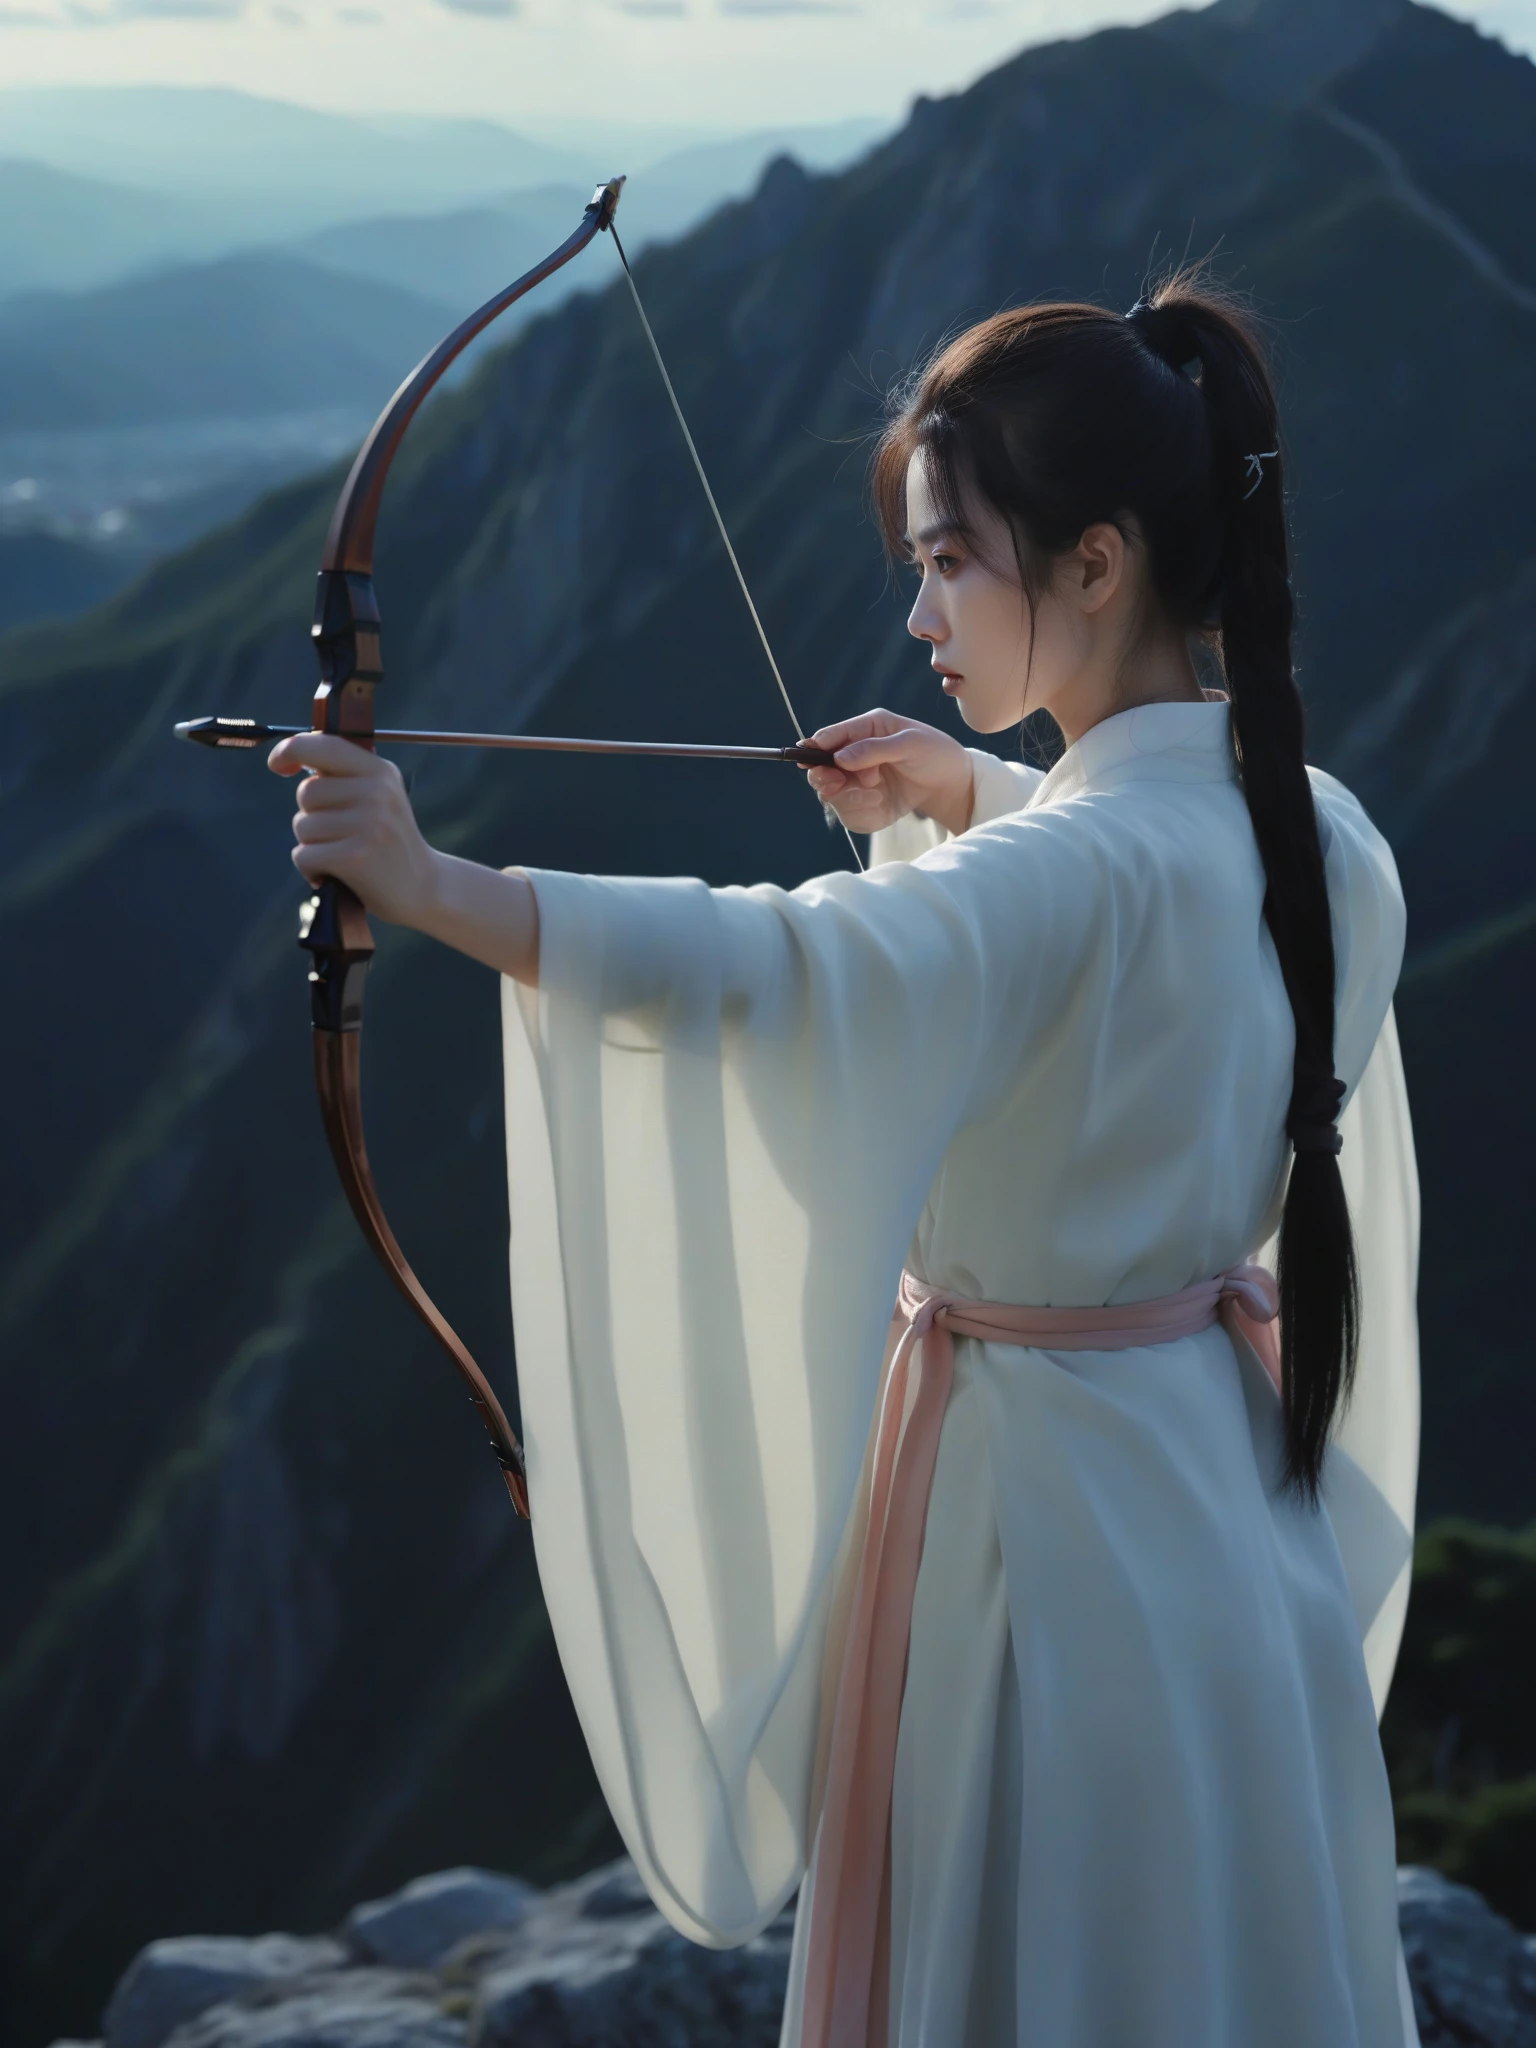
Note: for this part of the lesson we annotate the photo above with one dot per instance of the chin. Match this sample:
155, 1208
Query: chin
988, 719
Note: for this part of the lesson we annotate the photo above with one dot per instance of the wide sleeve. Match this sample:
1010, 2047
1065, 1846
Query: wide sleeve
724, 1112
1372, 1502
1371, 1473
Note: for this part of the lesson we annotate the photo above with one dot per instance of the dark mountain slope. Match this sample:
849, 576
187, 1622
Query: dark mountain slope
275, 1639
1441, 758
1467, 143
44, 576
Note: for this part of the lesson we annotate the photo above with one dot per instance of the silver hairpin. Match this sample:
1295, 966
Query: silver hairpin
1255, 469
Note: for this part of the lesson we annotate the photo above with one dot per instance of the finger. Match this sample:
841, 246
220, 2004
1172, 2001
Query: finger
826, 782
856, 806
878, 747
324, 828
327, 753
326, 792
834, 736
330, 862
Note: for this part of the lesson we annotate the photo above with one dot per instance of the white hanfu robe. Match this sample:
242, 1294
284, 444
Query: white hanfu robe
1139, 1798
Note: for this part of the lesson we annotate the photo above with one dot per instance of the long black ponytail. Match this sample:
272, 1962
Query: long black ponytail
1062, 416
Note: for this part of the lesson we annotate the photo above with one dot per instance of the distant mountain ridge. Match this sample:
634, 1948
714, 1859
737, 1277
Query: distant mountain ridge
276, 1642
97, 183
260, 333
63, 232
219, 146
135, 335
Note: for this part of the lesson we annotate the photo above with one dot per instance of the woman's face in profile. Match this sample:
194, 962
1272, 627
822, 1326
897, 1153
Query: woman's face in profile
972, 611
996, 661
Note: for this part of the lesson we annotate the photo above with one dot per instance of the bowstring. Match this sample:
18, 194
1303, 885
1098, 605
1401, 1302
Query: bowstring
677, 412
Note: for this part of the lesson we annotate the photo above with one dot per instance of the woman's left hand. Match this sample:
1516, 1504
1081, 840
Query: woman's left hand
354, 822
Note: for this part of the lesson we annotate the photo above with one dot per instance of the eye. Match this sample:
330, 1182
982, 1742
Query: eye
944, 561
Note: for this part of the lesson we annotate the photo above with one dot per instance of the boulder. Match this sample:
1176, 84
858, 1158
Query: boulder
1473, 1974
172, 1981
595, 1965
357, 2008
664, 1992
415, 1928
467, 1959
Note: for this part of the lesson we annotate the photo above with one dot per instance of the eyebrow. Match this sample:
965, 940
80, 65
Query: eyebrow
927, 535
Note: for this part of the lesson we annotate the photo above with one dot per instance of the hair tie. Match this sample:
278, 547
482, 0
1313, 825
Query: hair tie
1317, 1138
1314, 1126
1166, 332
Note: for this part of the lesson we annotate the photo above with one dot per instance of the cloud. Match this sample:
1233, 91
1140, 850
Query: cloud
83, 15
767, 7
26, 17
497, 10
359, 17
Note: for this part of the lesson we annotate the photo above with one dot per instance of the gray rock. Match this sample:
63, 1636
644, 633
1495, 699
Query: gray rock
597, 1965
172, 1981
1473, 1974
356, 2008
495, 1964
415, 1928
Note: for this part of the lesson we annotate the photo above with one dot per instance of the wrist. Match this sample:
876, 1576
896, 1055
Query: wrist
433, 911
957, 800
491, 914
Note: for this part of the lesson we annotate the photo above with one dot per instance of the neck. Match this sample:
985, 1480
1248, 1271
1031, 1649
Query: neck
1162, 672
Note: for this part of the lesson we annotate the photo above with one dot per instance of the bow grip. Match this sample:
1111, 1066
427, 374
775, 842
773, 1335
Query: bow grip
334, 931
346, 640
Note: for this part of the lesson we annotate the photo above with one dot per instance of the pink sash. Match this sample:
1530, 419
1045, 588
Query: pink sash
848, 1945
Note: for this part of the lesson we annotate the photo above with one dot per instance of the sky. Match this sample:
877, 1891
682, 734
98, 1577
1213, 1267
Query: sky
713, 65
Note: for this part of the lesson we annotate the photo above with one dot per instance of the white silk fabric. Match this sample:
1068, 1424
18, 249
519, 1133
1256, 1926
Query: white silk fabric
1139, 1795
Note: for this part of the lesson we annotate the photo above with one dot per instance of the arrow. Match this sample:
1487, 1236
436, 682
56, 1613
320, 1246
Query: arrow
251, 732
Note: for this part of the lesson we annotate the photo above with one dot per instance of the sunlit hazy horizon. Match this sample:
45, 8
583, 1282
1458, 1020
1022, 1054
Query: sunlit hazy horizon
710, 66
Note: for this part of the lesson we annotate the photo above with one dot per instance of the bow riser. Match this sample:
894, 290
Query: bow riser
334, 931
346, 636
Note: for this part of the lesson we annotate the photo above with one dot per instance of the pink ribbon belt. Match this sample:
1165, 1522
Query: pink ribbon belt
848, 1943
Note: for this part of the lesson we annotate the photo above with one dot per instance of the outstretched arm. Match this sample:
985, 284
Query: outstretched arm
354, 821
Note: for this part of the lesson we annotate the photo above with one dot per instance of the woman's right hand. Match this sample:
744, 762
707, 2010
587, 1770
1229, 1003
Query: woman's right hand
889, 766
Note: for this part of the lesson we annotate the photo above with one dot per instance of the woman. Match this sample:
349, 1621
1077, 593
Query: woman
1046, 1644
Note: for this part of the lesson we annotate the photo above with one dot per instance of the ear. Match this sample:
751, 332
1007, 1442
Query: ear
1090, 574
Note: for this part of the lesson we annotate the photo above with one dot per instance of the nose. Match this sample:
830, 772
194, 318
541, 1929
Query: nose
925, 621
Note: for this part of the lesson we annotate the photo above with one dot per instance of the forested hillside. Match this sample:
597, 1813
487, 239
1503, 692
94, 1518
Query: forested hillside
274, 1639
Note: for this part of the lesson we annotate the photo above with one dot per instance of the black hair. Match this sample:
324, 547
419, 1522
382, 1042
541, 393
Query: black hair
1060, 417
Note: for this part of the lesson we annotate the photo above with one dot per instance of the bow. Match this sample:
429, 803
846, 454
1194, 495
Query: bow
333, 926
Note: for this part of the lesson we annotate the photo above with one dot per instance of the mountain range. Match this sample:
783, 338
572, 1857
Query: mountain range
99, 184
251, 334
275, 1640
144, 334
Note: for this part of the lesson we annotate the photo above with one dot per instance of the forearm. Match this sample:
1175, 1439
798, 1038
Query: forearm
489, 913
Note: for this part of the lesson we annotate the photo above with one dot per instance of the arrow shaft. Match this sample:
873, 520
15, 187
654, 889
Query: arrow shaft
252, 732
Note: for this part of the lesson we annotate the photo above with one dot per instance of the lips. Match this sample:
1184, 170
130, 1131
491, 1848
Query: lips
948, 677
